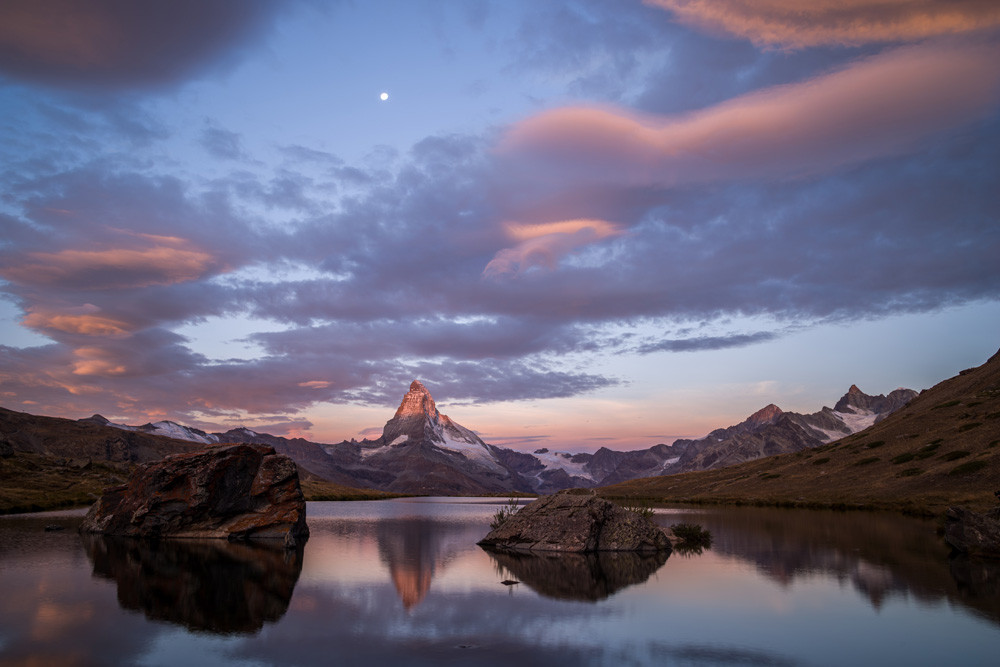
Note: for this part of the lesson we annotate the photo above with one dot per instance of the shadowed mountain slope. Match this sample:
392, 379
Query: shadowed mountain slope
942, 448
771, 431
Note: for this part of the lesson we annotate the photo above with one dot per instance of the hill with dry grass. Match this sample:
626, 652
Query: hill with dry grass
51, 463
942, 449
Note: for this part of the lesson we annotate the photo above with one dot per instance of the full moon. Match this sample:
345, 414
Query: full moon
384, 96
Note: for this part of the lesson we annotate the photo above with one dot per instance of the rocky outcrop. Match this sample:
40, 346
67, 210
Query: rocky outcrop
231, 492
973, 534
575, 522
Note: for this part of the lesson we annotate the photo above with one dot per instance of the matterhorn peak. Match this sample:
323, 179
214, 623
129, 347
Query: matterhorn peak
417, 403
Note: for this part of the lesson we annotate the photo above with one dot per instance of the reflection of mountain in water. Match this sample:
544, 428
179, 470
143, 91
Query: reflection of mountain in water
579, 576
414, 548
881, 555
209, 585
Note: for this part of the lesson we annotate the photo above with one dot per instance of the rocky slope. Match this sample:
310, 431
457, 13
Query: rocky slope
771, 431
940, 449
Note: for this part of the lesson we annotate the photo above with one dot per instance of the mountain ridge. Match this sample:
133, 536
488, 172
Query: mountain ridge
942, 448
422, 451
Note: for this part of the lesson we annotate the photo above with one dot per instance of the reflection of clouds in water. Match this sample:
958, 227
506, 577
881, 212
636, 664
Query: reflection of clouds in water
48, 617
723, 607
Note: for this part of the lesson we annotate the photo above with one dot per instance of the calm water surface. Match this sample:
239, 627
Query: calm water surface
403, 582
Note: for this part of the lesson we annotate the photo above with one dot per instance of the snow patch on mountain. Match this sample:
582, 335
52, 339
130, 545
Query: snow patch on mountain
170, 429
456, 438
858, 420
562, 461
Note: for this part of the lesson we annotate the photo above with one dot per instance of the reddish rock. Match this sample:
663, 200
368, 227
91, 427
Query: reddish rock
233, 492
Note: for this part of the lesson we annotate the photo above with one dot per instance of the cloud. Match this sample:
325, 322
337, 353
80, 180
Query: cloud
316, 384
700, 343
880, 106
222, 144
96, 361
795, 25
157, 260
389, 254
85, 320
543, 245
108, 45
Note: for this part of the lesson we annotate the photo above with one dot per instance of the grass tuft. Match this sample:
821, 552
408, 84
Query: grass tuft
693, 538
505, 512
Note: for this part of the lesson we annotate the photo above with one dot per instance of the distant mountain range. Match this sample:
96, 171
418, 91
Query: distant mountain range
771, 431
422, 451
941, 449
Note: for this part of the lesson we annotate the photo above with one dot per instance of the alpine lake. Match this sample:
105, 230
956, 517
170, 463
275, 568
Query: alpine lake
402, 582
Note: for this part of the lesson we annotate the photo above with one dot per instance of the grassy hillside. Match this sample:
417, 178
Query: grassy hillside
35, 482
314, 488
51, 463
942, 449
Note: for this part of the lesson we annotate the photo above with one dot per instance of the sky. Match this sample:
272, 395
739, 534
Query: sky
579, 223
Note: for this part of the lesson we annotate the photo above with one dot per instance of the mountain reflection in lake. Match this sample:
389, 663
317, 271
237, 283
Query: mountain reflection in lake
403, 582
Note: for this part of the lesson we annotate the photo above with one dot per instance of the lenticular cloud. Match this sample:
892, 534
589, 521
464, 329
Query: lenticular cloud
882, 106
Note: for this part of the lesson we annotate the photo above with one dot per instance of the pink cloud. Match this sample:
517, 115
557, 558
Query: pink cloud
84, 320
97, 361
796, 24
316, 384
881, 106
158, 260
543, 245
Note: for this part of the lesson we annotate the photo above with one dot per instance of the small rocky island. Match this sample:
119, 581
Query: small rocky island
233, 492
575, 522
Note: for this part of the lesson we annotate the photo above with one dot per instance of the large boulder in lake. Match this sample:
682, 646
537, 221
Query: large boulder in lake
573, 522
232, 492
973, 534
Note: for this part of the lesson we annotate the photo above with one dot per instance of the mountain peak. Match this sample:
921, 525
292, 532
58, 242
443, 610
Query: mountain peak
762, 417
854, 400
417, 403
97, 419
766, 414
